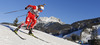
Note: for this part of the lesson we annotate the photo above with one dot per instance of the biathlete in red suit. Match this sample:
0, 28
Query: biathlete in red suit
32, 16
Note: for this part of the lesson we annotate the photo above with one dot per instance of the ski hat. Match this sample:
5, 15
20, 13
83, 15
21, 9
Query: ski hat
41, 6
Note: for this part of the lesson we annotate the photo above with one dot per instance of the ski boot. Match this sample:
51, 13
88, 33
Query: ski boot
30, 32
16, 30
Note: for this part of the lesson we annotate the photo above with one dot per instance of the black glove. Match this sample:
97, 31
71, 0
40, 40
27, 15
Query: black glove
25, 8
37, 16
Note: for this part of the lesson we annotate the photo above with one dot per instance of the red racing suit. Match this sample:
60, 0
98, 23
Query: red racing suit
31, 17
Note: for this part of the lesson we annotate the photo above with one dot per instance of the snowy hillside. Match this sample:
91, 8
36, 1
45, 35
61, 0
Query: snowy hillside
76, 32
87, 33
7, 37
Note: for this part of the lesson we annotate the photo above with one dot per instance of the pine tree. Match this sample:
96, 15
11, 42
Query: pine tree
15, 22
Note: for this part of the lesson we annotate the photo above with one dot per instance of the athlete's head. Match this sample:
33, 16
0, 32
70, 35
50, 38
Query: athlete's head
41, 7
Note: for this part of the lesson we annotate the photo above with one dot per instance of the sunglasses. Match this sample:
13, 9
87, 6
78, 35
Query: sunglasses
41, 9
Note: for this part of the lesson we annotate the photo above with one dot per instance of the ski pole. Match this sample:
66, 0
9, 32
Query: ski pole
14, 11
22, 15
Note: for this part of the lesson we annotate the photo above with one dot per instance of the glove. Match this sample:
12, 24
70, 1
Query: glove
37, 16
25, 8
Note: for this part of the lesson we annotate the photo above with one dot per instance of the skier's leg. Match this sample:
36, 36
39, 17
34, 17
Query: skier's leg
19, 27
28, 21
28, 25
23, 24
33, 19
33, 24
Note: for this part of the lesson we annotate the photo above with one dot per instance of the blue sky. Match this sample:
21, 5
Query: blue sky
68, 11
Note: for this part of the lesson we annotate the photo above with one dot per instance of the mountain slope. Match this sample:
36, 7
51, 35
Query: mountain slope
7, 37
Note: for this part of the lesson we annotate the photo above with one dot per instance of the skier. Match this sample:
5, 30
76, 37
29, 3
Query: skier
31, 18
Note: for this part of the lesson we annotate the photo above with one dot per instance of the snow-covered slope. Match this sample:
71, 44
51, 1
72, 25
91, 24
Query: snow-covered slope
76, 32
7, 37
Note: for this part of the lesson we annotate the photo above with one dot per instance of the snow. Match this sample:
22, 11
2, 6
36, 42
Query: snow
87, 36
76, 32
7, 37
49, 19
98, 29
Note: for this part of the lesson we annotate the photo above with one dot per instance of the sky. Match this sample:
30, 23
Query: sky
68, 11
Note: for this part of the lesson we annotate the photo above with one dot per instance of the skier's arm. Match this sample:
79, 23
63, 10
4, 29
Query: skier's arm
30, 6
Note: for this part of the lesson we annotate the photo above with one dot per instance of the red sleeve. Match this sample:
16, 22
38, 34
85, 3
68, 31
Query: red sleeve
34, 7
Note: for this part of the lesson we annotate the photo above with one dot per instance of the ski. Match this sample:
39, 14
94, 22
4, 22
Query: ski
19, 36
14, 32
34, 36
40, 39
